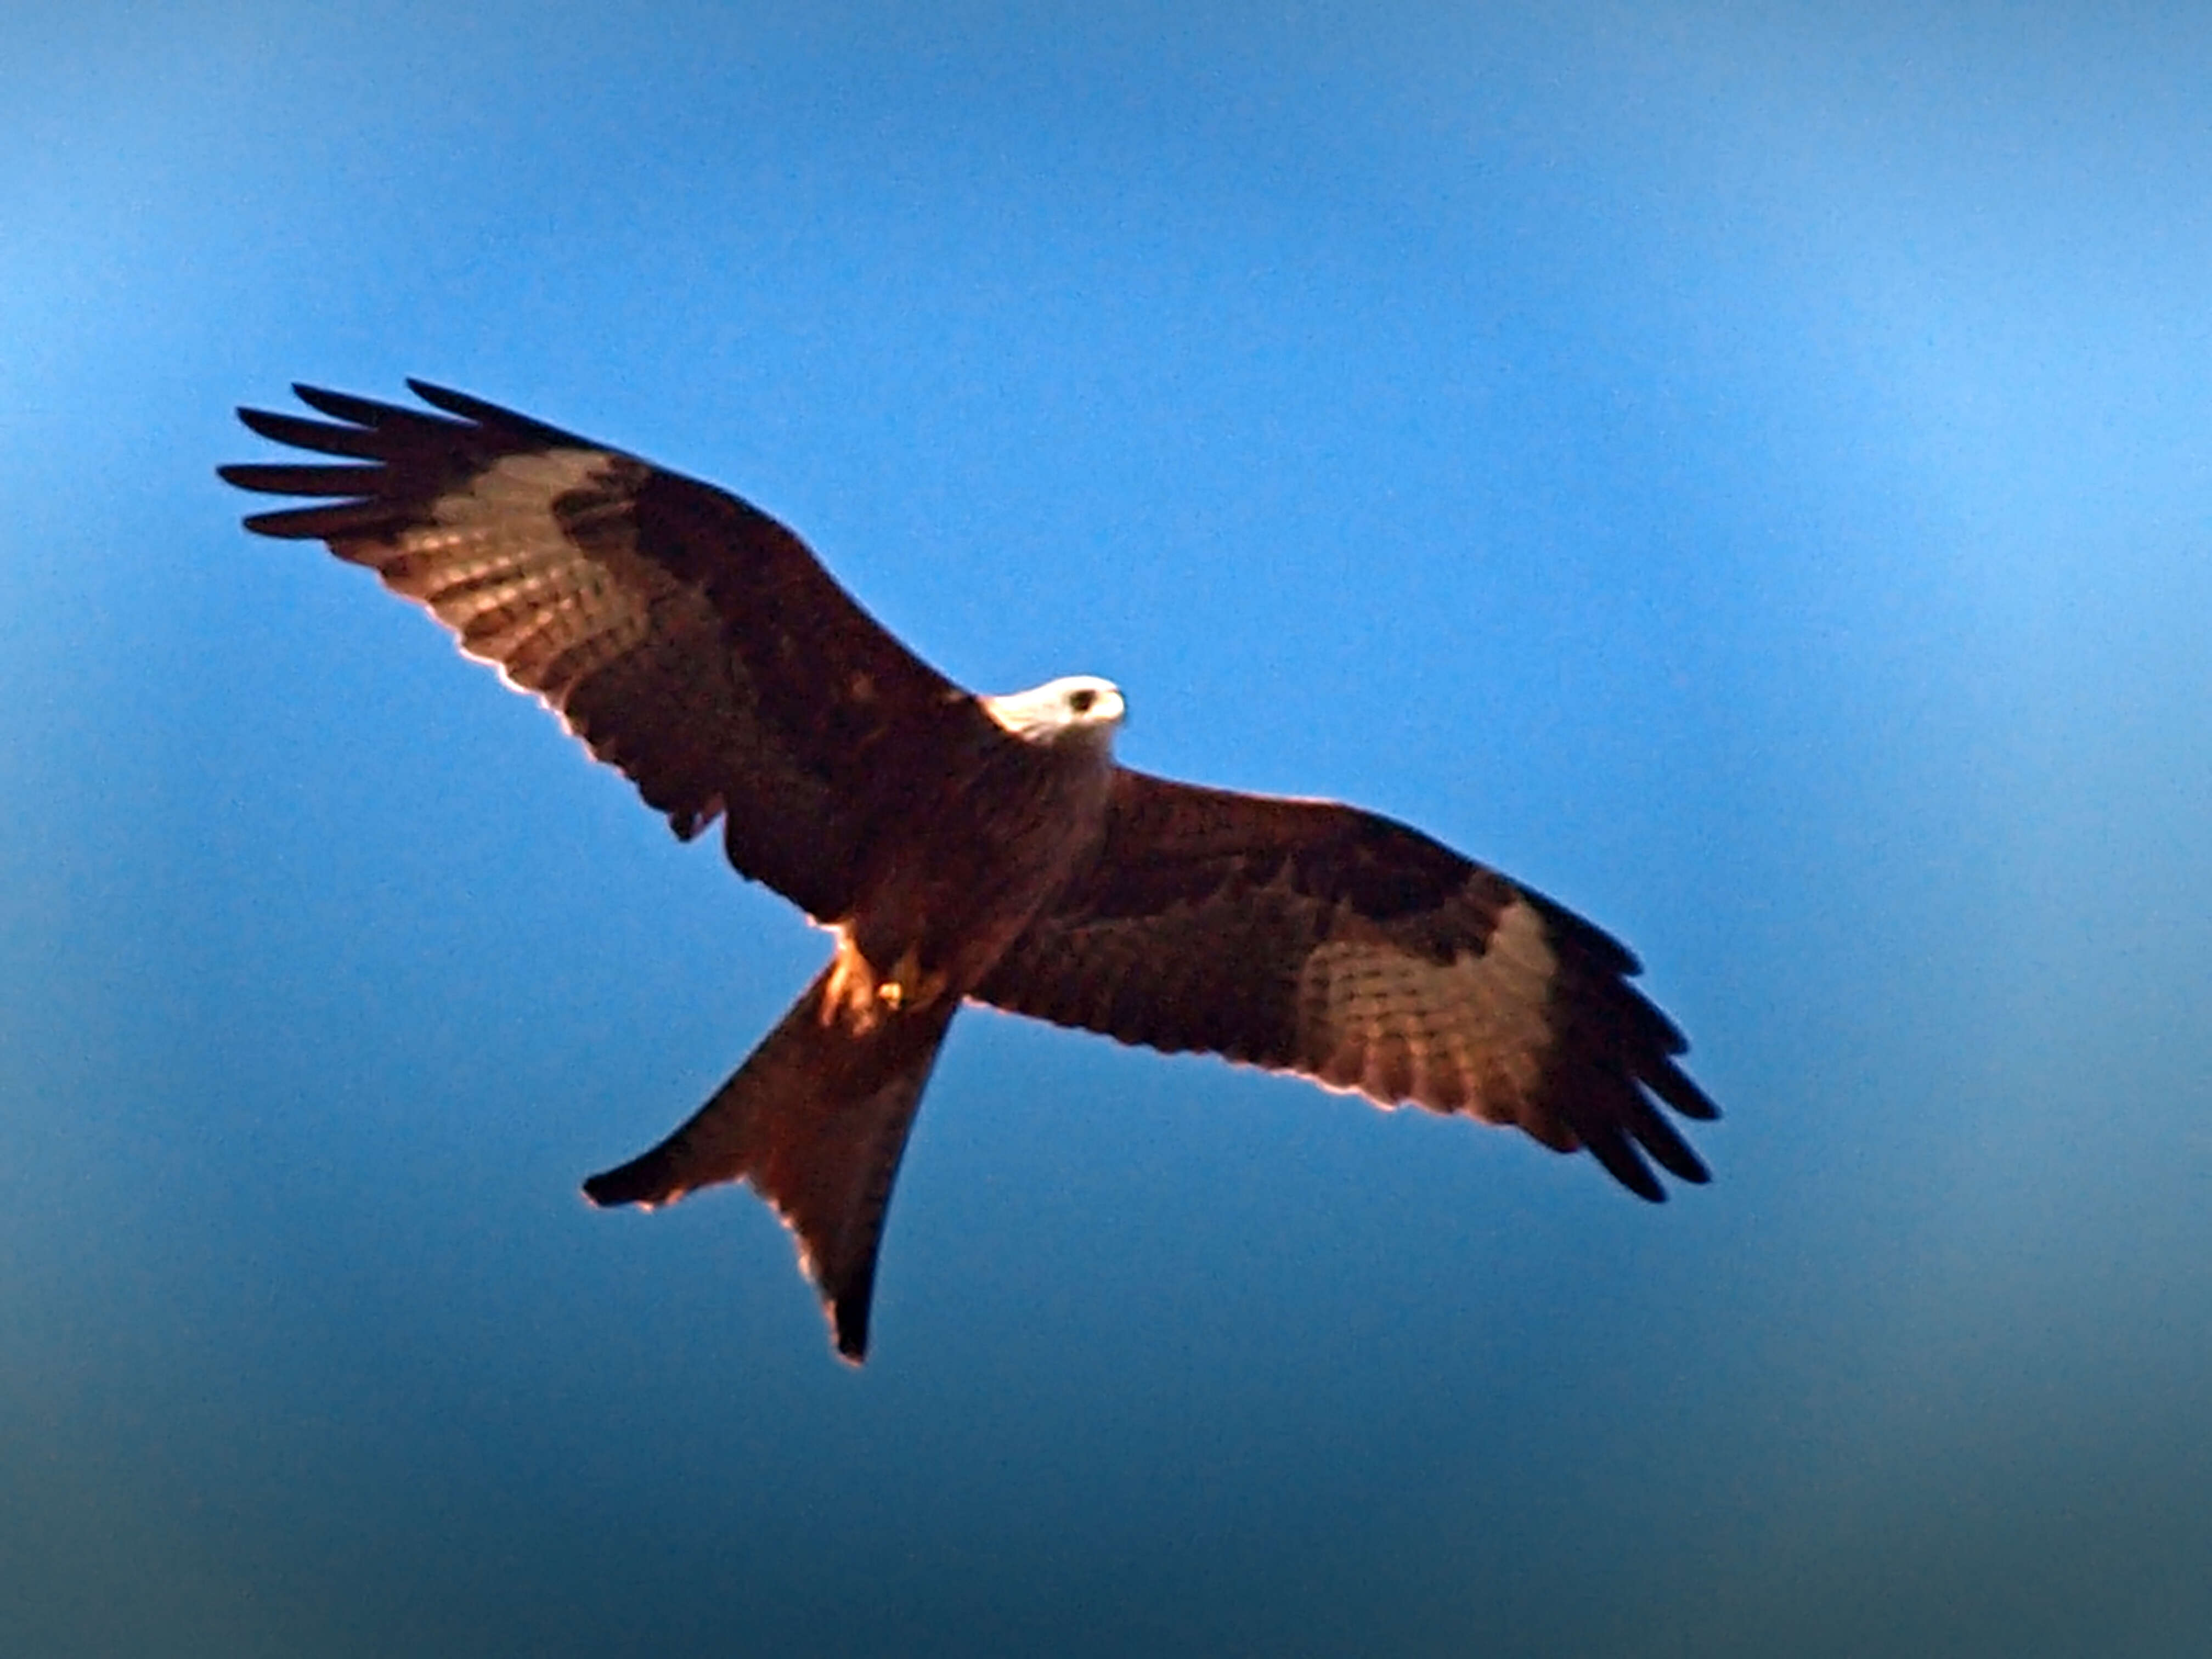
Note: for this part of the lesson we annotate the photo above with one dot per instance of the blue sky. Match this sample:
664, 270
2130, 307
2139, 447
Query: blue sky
1743, 471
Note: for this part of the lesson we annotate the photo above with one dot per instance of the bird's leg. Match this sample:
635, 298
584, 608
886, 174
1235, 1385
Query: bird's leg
908, 986
857, 997
853, 998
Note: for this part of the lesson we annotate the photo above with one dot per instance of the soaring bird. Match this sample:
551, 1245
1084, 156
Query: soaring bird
958, 847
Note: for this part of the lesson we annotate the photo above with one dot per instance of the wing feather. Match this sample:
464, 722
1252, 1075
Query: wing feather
1313, 937
687, 638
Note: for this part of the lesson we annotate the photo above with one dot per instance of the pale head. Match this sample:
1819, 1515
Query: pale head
1081, 707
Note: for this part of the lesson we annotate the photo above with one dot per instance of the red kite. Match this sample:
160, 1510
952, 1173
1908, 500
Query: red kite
958, 847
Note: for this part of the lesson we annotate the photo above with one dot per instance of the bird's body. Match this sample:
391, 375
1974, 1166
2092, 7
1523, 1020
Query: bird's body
959, 846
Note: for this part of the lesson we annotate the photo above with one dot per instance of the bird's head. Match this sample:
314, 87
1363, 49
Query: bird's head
1076, 707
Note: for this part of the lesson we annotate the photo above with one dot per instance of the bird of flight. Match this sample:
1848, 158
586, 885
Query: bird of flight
958, 847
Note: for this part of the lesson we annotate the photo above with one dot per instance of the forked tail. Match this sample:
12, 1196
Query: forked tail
815, 1119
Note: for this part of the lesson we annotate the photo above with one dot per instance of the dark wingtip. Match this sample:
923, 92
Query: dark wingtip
1667, 1081
345, 406
309, 524
1658, 1138
482, 413
261, 422
431, 392
1606, 1143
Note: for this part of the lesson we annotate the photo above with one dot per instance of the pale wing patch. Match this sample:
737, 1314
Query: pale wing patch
1470, 1035
499, 569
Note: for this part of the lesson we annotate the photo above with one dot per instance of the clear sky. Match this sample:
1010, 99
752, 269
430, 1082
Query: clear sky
1746, 471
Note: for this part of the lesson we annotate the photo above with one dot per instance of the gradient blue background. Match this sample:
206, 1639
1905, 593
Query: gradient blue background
1747, 472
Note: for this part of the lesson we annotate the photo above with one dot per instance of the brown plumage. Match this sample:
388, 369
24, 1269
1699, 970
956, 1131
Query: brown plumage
1309, 936
959, 846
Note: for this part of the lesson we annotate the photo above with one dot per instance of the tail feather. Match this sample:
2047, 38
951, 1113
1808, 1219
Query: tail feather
817, 1120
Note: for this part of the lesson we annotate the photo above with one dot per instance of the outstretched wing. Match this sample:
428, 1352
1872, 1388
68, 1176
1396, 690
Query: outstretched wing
1309, 937
685, 636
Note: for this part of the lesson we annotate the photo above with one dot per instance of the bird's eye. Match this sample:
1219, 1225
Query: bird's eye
1080, 702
